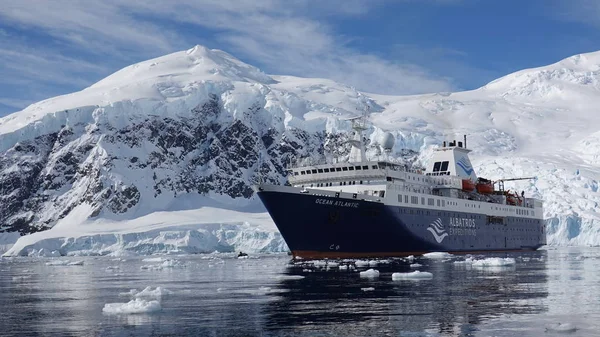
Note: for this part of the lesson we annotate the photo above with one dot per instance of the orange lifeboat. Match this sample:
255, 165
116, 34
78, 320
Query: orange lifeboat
485, 188
468, 185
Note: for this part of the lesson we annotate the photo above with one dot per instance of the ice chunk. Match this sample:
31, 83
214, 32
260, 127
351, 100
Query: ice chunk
367, 289
437, 255
289, 277
136, 306
371, 273
415, 275
343, 267
154, 259
148, 292
494, 262
561, 327
416, 265
468, 260
361, 263
64, 263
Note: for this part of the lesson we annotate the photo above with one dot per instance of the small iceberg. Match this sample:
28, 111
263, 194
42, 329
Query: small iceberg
437, 255
371, 273
415, 275
136, 306
561, 327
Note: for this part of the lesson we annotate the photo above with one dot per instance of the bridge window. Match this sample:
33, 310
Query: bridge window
365, 167
444, 166
320, 170
338, 169
436, 166
351, 168
326, 170
357, 167
302, 172
314, 171
374, 167
344, 169
295, 173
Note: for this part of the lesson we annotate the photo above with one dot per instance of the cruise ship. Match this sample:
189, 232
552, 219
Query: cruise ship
366, 208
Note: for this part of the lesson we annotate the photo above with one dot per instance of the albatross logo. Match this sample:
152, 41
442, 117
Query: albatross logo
463, 164
437, 229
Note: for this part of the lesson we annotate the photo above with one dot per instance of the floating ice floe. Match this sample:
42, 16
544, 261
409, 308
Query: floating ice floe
148, 292
371, 273
437, 255
64, 263
367, 289
415, 275
361, 263
135, 306
416, 265
494, 262
166, 263
561, 327
289, 277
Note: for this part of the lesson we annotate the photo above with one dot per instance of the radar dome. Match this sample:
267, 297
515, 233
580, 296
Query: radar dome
387, 141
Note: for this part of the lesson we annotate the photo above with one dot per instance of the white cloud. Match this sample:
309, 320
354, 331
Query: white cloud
286, 37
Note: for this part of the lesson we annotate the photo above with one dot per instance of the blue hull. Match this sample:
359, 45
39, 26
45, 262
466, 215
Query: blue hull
325, 227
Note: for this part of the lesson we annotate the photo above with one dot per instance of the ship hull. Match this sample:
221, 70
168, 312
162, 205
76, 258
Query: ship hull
321, 226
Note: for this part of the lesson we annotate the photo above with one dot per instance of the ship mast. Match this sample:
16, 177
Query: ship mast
357, 153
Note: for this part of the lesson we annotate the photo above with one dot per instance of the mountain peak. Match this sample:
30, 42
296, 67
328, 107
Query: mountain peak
566, 80
197, 63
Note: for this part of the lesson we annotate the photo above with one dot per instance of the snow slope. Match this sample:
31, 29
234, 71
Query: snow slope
191, 131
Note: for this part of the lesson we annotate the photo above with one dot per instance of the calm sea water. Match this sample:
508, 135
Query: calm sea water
259, 296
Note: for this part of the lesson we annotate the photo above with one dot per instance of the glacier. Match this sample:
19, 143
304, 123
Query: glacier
161, 156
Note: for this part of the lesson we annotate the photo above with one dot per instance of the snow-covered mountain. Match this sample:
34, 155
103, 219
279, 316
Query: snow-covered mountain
171, 146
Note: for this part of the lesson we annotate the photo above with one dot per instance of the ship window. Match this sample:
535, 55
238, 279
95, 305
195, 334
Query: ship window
414, 200
399, 197
326, 170
320, 170
438, 202
295, 173
302, 172
338, 169
422, 201
444, 166
430, 202
443, 203
357, 167
365, 167
314, 171
374, 167
344, 169
360, 182
436, 166
406, 199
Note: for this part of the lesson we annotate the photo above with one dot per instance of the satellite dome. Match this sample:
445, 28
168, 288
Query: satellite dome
387, 141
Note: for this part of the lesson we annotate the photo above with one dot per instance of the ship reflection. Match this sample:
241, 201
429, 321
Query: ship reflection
453, 303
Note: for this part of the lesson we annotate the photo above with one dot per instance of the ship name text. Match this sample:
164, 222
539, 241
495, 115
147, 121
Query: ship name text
336, 203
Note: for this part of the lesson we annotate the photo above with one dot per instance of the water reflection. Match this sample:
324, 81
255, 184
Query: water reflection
231, 297
453, 303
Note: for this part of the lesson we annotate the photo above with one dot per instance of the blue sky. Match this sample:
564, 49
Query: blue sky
48, 48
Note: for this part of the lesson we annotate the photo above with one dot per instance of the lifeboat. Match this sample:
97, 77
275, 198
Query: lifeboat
468, 185
485, 188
